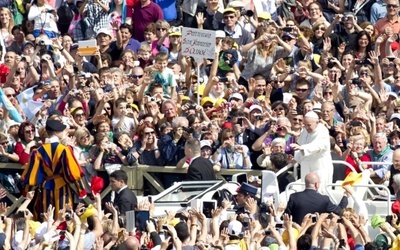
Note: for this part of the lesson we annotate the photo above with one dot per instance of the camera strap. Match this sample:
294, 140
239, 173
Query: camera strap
357, 6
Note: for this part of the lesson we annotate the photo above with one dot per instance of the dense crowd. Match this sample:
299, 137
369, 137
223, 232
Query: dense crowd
113, 76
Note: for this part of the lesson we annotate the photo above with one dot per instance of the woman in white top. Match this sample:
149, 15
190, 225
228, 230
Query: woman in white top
45, 18
6, 25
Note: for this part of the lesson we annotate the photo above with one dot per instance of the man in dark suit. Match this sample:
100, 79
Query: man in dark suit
310, 201
199, 168
124, 199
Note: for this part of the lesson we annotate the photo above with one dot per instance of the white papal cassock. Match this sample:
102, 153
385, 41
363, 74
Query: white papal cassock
315, 155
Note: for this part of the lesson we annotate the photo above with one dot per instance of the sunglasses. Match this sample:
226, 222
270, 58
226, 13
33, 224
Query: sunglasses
301, 90
207, 106
287, 39
388, 65
4, 143
29, 131
161, 29
326, 93
297, 120
85, 137
392, 6
320, 28
80, 115
11, 95
365, 74
137, 76
229, 17
149, 133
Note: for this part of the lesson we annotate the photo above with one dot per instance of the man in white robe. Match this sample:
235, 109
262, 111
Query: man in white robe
313, 150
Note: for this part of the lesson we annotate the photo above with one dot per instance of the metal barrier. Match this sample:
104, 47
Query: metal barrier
136, 177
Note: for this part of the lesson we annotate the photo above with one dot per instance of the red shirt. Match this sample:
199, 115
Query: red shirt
351, 161
143, 16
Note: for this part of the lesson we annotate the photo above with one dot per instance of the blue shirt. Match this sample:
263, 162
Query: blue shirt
134, 45
378, 11
169, 9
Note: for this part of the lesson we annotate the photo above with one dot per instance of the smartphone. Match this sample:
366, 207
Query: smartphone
164, 227
389, 219
245, 223
150, 198
208, 206
141, 218
287, 29
130, 220
240, 121
278, 225
314, 218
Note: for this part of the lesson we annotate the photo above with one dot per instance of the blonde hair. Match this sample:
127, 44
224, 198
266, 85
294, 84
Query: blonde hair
261, 48
11, 22
163, 24
81, 132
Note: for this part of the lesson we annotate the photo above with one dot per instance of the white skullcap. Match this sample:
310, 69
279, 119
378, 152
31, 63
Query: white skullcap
312, 114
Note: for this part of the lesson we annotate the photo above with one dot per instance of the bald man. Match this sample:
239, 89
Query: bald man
130, 244
310, 201
313, 150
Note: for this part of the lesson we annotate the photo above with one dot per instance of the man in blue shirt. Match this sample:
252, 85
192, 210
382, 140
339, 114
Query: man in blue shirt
378, 11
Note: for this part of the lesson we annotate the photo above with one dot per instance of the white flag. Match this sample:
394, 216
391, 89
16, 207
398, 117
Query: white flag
28, 105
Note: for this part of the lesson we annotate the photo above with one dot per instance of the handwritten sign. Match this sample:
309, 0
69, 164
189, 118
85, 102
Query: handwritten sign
197, 43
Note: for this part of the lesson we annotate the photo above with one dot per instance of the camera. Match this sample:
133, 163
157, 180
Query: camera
223, 79
68, 215
331, 63
240, 121
188, 130
151, 99
175, 29
345, 18
45, 42
248, 13
287, 29
259, 117
192, 106
266, 23
356, 81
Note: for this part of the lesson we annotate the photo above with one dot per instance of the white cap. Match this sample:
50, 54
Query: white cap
105, 31
235, 4
393, 95
235, 228
220, 34
205, 143
237, 96
255, 106
312, 114
395, 116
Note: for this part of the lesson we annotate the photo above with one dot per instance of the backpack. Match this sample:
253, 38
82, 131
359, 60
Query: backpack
65, 14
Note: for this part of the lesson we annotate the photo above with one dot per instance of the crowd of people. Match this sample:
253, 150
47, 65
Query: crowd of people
290, 82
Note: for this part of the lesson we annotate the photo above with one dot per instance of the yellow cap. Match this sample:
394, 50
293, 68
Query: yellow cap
176, 34
264, 16
206, 99
185, 98
134, 106
229, 10
218, 102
